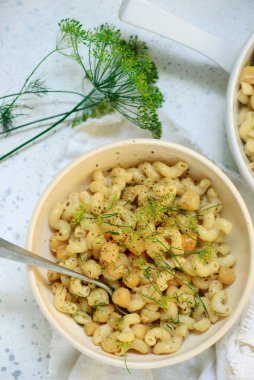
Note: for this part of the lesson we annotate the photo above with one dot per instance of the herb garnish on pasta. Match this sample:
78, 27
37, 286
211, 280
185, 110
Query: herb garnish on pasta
157, 237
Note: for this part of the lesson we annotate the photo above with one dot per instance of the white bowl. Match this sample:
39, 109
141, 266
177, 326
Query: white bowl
235, 142
129, 153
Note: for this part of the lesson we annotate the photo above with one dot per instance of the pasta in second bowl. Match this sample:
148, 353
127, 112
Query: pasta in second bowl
104, 163
241, 143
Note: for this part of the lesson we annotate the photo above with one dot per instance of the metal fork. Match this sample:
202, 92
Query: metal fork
13, 252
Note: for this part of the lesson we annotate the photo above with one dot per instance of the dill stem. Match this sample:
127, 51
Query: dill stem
36, 67
41, 92
48, 118
48, 129
30, 75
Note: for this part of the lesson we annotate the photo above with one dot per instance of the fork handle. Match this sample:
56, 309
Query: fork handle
13, 252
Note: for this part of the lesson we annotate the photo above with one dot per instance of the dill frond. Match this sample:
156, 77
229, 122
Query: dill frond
121, 70
96, 111
119, 74
36, 86
6, 117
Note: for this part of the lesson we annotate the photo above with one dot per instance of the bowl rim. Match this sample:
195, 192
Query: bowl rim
232, 130
171, 360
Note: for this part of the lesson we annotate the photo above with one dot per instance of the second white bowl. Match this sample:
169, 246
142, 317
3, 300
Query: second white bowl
235, 142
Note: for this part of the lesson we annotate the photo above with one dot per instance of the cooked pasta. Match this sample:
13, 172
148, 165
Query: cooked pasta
157, 237
246, 112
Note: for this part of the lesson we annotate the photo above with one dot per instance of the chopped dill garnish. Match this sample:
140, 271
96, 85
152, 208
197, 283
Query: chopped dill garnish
152, 211
186, 222
162, 302
102, 217
82, 215
140, 262
98, 305
126, 365
124, 345
202, 210
163, 265
147, 272
171, 323
79, 214
207, 252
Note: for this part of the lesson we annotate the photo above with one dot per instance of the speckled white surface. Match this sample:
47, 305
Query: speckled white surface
194, 91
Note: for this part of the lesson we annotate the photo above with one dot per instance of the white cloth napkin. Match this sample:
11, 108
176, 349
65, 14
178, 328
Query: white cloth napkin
232, 358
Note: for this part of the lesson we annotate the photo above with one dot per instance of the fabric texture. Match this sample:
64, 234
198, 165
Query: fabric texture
232, 358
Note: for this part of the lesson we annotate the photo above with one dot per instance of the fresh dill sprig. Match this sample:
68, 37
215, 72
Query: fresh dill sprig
119, 74
121, 70
7, 110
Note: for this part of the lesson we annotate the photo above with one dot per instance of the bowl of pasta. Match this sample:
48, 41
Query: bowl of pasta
240, 112
166, 229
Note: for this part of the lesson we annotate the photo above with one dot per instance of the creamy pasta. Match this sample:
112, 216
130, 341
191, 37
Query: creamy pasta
246, 112
157, 237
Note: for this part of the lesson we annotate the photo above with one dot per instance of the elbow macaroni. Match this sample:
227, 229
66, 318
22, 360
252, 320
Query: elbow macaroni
158, 238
